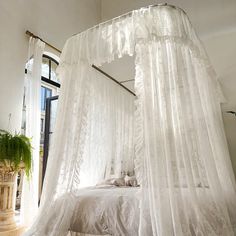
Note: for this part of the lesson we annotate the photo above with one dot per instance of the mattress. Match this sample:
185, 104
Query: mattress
106, 210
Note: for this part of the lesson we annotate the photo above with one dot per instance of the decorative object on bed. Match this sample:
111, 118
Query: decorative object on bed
179, 137
113, 181
131, 181
15, 155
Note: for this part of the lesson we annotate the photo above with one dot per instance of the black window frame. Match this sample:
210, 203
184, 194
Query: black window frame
48, 80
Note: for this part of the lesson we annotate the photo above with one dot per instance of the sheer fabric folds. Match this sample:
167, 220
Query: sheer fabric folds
109, 147
183, 169
181, 156
29, 200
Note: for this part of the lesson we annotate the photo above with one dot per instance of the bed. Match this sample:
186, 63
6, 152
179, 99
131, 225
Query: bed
103, 210
112, 210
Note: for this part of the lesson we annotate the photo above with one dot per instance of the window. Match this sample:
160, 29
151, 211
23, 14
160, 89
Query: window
49, 88
49, 66
45, 93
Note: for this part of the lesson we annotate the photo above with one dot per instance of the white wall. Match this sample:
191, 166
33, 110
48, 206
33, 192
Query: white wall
215, 23
54, 21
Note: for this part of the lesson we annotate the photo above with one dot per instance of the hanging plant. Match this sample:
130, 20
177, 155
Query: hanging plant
15, 152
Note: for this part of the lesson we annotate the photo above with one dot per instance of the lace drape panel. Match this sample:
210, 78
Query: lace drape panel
182, 181
101, 113
29, 200
57, 201
109, 147
182, 162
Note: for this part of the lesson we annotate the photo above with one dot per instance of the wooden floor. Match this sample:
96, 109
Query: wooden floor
17, 232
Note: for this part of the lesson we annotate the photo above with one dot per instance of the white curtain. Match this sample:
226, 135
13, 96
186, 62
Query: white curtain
30, 188
104, 115
186, 184
182, 161
109, 148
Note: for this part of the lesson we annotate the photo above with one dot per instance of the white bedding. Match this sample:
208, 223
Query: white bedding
103, 210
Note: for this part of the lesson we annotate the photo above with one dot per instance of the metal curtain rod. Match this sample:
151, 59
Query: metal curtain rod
95, 67
37, 37
110, 77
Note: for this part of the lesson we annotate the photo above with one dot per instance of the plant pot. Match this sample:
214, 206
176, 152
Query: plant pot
8, 187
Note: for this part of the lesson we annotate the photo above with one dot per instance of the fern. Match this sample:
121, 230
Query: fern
15, 150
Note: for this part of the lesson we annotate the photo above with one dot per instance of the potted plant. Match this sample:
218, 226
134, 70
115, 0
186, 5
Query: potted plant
15, 155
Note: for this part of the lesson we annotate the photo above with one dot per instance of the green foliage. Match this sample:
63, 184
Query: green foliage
15, 150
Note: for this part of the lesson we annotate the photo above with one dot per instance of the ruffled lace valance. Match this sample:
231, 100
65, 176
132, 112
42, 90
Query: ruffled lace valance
118, 37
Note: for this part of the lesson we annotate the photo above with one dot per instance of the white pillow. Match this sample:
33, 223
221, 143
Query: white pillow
113, 181
131, 181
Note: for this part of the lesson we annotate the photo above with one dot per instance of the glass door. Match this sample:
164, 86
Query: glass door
50, 116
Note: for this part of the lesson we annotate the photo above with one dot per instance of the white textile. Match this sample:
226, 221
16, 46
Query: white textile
179, 135
105, 210
108, 144
30, 188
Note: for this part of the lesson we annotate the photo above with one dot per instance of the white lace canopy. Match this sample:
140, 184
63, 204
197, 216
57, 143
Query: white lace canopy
181, 156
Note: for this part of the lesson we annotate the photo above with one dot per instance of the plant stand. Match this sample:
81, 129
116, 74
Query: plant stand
7, 201
16, 232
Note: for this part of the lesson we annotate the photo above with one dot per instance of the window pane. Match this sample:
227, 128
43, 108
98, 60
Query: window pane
48, 93
53, 71
45, 93
53, 114
52, 117
45, 67
42, 98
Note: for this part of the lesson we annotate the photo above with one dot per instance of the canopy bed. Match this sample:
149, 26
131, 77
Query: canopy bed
170, 134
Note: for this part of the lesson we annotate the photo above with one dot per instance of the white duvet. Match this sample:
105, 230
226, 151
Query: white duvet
106, 210
103, 210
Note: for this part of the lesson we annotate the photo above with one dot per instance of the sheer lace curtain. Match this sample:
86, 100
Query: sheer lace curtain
29, 200
184, 145
109, 147
182, 161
